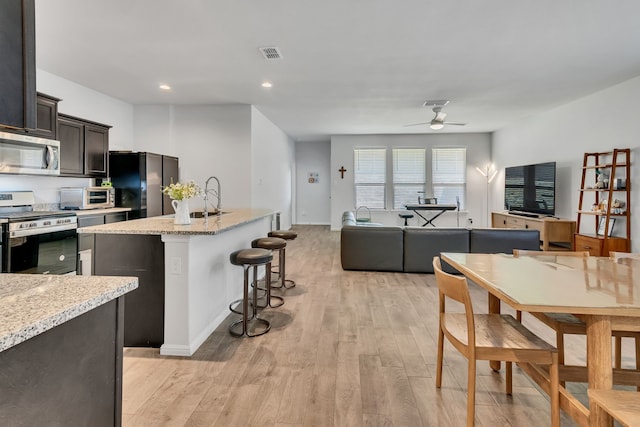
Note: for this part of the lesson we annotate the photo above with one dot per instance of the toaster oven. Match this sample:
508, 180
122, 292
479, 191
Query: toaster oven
87, 197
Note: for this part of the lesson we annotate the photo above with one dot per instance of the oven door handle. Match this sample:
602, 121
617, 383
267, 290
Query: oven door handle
36, 231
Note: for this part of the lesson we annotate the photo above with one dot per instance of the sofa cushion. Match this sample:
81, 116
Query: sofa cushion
422, 244
502, 240
371, 248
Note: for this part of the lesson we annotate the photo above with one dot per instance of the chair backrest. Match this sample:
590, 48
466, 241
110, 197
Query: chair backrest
620, 255
456, 288
522, 252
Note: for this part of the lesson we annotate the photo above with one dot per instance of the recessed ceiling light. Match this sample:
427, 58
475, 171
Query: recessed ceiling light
266, 85
164, 87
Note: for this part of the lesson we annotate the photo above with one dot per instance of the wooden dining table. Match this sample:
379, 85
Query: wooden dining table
603, 292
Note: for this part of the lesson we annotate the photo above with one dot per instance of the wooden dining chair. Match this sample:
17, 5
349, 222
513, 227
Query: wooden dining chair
489, 337
621, 255
618, 341
568, 324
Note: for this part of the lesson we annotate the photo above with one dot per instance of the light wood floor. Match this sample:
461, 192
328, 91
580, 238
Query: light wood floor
346, 349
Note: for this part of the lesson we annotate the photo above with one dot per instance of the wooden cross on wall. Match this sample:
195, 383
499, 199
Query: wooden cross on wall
342, 170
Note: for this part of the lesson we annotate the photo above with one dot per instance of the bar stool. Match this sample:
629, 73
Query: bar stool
286, 235
405, 216
272, 244
247, 258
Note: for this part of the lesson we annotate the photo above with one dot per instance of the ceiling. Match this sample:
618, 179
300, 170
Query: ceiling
348, 66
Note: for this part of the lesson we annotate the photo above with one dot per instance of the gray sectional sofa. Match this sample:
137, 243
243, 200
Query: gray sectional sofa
411, 249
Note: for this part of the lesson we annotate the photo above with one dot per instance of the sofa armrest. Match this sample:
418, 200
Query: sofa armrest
371, 248
348, 218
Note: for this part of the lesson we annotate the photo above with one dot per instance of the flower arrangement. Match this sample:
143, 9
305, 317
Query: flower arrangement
182, 191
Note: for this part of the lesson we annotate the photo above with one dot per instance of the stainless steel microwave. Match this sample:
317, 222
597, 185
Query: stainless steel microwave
87, 197
24, 154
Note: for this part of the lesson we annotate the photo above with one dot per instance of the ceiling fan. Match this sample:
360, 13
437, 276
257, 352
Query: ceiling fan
438, 120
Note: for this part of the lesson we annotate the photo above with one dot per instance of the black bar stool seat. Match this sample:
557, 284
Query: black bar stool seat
283, 234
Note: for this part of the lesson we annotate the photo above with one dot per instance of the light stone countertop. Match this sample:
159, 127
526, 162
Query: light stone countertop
31, 304
83, 212
159, 225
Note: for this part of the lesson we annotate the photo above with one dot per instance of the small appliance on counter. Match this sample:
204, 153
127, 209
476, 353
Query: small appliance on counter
87, 197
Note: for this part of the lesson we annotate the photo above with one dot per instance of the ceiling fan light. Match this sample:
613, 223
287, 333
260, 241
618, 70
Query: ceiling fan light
435, 125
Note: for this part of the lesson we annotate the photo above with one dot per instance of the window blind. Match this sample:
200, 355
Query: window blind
408, 175
370, 177
449, 175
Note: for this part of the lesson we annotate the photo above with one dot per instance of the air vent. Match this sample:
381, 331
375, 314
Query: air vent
270, 53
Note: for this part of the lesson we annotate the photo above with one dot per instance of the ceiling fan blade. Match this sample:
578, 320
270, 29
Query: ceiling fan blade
417, 124
455, 123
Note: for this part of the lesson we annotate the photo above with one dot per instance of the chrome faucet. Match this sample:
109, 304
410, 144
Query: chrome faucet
215, 193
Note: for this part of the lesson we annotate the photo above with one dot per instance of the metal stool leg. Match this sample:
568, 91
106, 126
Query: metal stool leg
245, 310
281, 271
284, 280
267, 288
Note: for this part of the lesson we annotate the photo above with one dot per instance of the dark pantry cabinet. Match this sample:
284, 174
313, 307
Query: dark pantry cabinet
17, 64
84, 147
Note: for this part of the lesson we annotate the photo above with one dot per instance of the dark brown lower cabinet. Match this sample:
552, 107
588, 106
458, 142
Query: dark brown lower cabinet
70, 375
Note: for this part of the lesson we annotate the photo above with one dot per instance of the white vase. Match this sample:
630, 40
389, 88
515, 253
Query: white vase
182, 212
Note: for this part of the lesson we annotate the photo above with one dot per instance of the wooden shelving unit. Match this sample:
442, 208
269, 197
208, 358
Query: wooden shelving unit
606, 178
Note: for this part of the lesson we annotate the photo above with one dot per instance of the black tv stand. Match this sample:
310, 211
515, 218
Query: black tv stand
527, 214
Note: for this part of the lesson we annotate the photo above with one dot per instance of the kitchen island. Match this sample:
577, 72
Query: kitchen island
186, 280
61, 343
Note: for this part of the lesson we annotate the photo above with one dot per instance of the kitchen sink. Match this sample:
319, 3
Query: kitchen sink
200, 214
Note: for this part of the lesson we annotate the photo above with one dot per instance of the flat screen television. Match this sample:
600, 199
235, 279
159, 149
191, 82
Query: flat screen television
531, 189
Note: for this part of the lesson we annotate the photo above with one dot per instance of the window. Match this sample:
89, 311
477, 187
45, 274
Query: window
408, 175
369, 176
449, 175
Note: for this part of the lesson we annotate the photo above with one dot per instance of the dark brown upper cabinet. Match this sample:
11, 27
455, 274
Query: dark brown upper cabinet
84, 147
17, 64
47, 117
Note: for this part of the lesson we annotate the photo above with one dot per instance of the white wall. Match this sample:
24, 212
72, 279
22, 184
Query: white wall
210, 140
313, 200
272, 166
88, 104
602, 121
153, 129
478, 154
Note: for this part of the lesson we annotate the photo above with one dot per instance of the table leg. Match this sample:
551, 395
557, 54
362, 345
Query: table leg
421, 216
599, 369
494, 308
430, 220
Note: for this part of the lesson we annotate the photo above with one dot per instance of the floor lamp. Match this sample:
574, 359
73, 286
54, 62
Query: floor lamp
489, 173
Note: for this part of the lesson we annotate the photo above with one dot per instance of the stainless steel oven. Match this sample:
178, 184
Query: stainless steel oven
36, 242
42, 246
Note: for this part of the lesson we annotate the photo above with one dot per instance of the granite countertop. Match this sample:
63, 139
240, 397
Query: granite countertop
31, 304
158, 225
83, 212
